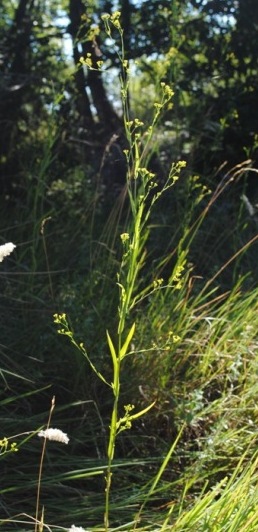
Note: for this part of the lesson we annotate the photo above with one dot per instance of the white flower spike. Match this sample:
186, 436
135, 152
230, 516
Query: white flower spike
55, 435
6, 249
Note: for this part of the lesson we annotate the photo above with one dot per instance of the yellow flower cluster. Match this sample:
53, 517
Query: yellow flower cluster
5, 446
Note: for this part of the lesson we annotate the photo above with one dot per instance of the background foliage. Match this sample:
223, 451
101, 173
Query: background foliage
63, 203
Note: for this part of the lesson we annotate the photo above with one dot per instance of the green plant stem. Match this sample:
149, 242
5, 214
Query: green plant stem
113, 429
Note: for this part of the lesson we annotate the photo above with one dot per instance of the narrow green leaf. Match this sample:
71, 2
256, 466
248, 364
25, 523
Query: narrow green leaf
124, 348
112, 350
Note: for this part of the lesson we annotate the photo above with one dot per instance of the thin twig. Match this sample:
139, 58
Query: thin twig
41, 464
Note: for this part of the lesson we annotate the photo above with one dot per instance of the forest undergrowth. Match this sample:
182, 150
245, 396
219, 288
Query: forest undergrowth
129, 346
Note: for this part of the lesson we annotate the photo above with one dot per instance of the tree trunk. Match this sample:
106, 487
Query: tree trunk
15, 78
101, 113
